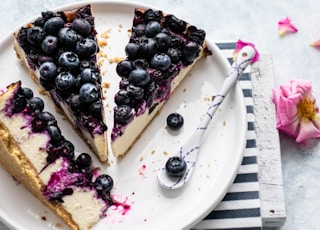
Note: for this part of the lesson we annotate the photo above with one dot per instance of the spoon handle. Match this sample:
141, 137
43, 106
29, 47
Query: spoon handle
241, 62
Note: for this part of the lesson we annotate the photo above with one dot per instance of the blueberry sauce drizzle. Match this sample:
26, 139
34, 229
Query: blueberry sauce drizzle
62, 46
76, 172
159, 47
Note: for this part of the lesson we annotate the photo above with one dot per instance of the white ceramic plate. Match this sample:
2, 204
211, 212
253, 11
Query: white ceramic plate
136, 185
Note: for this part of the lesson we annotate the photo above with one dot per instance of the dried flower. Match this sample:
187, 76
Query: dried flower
315, 44
240, 44
296, 111
285, 26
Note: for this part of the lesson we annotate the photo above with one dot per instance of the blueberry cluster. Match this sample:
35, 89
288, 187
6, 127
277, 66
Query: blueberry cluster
42, 121
63, 49
159, 47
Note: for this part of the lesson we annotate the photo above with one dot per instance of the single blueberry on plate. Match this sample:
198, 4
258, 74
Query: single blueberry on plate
176, 166
103, 184
175, 121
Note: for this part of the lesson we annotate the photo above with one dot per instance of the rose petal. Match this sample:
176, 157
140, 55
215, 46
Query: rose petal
315, 44
307, 130
285, 26
240, 44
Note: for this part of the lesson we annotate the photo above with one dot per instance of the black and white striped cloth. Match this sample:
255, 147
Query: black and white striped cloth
240, 208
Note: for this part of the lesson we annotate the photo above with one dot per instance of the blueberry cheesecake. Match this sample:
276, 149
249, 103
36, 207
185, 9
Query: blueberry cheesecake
161, 50
35, 152
60, 51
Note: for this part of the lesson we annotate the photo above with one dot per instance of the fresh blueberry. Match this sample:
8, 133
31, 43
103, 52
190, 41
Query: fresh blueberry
50, 44
175, 121
96, 108
139, 30
84, 160
68, 36
160, 61
176, 166
47, 117
131, 50
88, 75
67, 149
65, 81
176, 25
75, 102
81, 26
27, 92
174, 55
54, 133
87, 172
48, 71
53, 25
35, 35
177, 42
163, 40
124, 68
103, 184
35, 103
135, 92
148, 47
123, 114
88, 93
139, 77
85, 48
152, 28
190, 52
122, 98
69, 61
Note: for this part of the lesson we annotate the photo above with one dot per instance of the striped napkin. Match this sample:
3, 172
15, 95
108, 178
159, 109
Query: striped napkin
240, 208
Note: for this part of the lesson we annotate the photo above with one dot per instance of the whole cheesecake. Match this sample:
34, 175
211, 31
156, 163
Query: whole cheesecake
35, 152
161, 51
60, 51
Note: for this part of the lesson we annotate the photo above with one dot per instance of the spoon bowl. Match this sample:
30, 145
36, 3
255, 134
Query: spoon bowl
189, 151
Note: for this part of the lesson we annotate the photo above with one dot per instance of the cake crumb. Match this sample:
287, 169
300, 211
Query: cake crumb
43, 218
141, 158
165, 153
105, 84
115, 60
106, 34
153, 152
224, 123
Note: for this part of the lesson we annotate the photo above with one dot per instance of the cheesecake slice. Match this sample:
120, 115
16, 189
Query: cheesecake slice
35, 152
161, 51
60, 51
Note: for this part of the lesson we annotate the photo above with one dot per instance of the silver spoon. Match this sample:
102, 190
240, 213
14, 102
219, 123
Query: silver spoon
189, 151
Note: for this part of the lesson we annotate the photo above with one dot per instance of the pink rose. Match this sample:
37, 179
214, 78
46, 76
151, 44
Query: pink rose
296, 110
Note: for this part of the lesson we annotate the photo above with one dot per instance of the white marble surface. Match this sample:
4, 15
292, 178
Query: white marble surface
293, 58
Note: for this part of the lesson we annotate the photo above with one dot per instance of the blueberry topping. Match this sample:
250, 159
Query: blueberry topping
35, 35
54, 133
87, 75
81, 26
176, 166
87, 172
163, 41
175, 121
96, 108
176, 25
152, 28
135, 92
65, 81
139, 30
122, 97
88, 93
131, 50
86, 48
75, 102
47, 117
48, 71
139, 77
123, 114
174, 55
190, 52
53, 25
38, 125
50, 44
19, 104
69, 61
148, 47
68, 36
36, 103
160, 61
27, 92
124, 68
84, 160
103, 184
